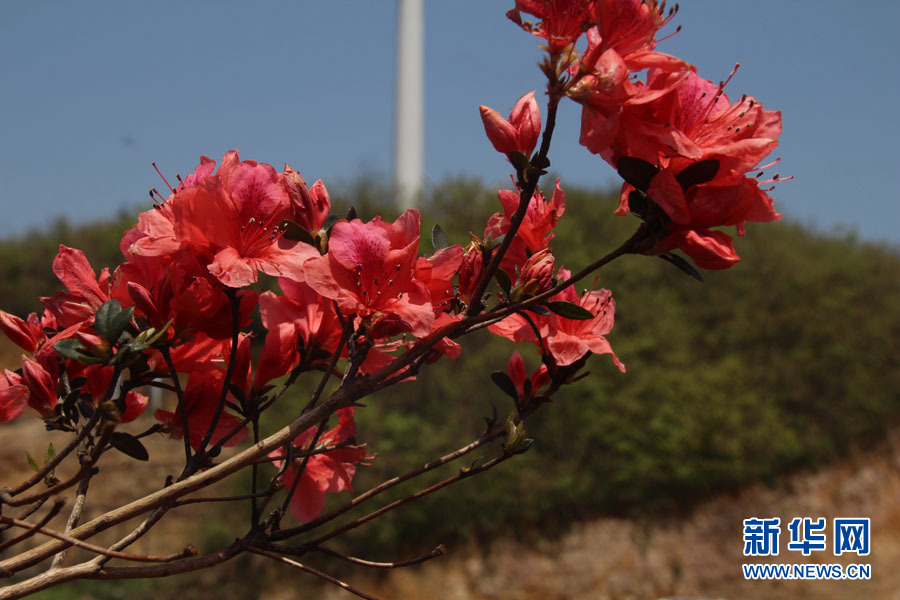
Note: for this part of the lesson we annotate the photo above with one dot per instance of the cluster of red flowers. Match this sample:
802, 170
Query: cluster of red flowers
686, 147
182, 301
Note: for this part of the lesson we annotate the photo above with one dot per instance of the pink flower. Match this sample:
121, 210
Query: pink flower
567, 340
86, 292
233, 220
527, 386
561, 21
470, 271
369, 271
518, 134
13, 396
330, 471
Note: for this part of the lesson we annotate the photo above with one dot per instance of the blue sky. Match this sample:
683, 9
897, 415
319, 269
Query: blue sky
94, 91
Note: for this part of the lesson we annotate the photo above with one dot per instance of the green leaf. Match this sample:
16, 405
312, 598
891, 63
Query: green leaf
506, 384
503, 281
72, 348
569, 310
538, 309
111, 320
293, 231
32, 463
50, 455
438, 238
129, 445
637, 171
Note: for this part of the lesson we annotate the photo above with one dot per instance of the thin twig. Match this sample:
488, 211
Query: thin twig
182, 405
31, 529
436, 552
229, 373
52, 463
188, 551
317, 573
494, 433
429, 490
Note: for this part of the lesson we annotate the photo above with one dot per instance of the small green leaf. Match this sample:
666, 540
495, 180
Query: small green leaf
503, 281
70, 348
506, 384
438, 238
129, 445
32, 463
569, 310
538, 309
50, 455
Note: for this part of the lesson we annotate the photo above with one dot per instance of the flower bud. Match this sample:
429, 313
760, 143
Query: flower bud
517, 134
536, 275
470, 271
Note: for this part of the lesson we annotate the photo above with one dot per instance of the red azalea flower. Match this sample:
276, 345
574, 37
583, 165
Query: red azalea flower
13, 396
534, 232
436, 272
567, 340
86, 292
562, 21
233, 220
369, 269
527, 386
331, 471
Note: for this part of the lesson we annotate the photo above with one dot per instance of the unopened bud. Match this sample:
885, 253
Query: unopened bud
470, 271
536, 275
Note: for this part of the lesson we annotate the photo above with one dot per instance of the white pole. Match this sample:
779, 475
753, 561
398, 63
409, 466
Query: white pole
409, 118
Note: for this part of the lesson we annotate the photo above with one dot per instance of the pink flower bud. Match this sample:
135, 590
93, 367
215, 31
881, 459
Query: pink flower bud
536, 275
526, 119
517, 134
498, 130
470, 271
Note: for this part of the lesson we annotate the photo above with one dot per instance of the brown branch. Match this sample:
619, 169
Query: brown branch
52, 463
74, 516
487, 437
86, 468
317, 573
436, 552
39, 528
30, 529
429, 490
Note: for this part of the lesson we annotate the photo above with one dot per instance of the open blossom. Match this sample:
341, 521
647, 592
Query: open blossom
534, 232
369, 271
330, 471
85, 291
233, 218
561, 21
567, 340
520, 132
